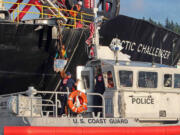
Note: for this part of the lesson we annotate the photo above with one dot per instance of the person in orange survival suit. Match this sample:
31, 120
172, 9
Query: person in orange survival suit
77, 7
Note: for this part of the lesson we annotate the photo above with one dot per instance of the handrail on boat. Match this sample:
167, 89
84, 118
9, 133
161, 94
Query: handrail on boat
49, 105
16, 12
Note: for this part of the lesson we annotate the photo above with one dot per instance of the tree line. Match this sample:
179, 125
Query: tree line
169, 24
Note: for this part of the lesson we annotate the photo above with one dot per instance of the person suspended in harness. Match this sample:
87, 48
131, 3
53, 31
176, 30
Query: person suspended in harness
67, 85
61, 54
60, 59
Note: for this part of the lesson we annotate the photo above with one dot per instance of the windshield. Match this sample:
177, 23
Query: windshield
126, 78
147, 79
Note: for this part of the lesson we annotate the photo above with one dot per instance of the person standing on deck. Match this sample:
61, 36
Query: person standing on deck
99, 86
67, 85
75, 14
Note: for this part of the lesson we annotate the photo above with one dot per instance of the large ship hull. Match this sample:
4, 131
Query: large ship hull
27, 54
141, 40
27, 50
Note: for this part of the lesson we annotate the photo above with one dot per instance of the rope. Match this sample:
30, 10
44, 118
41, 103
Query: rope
59, 39
68, 63
75, 47
72, 33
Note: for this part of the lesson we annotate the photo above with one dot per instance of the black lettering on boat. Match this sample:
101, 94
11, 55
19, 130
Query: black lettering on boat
142, 99
75, 121
82, 121
118, 121
96, 121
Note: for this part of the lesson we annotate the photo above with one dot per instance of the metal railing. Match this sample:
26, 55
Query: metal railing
15, 13
46, 106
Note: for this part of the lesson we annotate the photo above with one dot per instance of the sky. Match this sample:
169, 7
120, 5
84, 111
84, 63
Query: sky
158, 10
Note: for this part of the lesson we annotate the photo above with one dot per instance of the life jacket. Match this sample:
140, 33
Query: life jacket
65, 83
92, 52
65, 80
74, 14
63, 53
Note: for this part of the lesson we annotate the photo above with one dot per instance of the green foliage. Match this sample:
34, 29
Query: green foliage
169, 24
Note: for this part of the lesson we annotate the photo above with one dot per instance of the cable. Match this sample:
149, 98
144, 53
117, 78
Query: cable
68, 63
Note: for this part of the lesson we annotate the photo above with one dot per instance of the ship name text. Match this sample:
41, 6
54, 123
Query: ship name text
100, 121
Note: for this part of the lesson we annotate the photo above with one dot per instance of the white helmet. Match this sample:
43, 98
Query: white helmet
80, 3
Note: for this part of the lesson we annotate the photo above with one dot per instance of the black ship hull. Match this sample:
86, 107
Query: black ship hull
142, 40
27, 56
27, 51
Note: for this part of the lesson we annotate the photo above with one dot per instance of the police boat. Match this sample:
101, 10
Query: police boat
137, 98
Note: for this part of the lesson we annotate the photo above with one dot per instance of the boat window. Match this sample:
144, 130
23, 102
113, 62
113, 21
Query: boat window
147, 79
167, 80
176, 80
108, 106
126, 78
85, 78
108, 79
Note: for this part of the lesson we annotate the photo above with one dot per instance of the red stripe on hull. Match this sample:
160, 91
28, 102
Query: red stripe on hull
168, 130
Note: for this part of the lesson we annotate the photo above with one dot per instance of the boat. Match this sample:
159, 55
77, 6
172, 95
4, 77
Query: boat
142, 100
138, 97
30, 61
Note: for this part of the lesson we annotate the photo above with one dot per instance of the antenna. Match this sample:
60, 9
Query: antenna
96, 34
174, 43
164, 39
116, 46
152, 39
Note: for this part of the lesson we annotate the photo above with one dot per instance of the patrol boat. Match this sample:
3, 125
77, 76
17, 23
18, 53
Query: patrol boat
139, 98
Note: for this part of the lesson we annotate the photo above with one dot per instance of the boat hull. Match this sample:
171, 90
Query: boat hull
160, 130
27, 56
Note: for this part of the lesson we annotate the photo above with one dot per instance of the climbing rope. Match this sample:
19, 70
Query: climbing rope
67, 65
59, 37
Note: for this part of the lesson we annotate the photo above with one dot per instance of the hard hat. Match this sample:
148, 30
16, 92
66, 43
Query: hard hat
80, 3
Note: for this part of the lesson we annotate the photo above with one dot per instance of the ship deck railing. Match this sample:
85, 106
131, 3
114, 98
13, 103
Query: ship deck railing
49, 107
85, 18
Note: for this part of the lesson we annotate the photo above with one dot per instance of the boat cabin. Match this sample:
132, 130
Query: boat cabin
134, 89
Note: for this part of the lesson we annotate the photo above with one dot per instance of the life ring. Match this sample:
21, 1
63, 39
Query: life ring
71, 98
